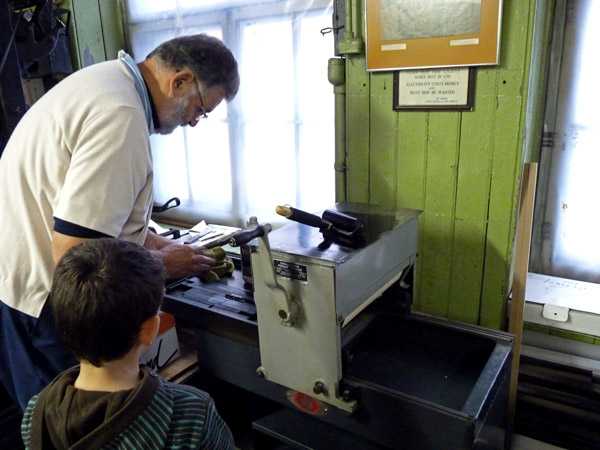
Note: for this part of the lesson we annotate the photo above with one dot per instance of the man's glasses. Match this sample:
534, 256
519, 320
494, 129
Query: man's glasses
204, 114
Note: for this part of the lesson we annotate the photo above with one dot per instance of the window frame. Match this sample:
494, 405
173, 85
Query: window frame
228, 20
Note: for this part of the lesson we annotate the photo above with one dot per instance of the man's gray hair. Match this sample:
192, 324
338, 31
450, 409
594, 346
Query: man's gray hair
207, 57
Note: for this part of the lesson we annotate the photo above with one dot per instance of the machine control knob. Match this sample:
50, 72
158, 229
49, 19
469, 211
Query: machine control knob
319, 388
346, 395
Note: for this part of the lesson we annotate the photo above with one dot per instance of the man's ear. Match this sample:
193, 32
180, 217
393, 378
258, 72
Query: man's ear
181, 82
149, 330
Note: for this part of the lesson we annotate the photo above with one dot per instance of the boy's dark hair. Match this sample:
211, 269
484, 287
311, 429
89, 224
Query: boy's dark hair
103, 291
206, 56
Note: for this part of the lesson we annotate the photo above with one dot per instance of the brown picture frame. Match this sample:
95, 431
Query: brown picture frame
397, 40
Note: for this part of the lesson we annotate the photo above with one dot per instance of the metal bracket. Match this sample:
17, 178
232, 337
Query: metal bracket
555, 312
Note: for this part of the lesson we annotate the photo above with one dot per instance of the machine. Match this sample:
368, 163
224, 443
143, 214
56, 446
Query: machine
327, 332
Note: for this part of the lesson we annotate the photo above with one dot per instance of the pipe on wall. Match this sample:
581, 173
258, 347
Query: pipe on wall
336, 76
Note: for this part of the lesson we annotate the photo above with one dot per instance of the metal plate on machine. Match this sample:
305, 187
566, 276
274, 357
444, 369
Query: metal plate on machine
290, 271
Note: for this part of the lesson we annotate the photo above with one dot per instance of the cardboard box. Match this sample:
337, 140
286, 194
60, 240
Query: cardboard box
165, 348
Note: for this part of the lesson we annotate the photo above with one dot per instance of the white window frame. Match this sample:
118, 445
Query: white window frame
554, 299
227, 19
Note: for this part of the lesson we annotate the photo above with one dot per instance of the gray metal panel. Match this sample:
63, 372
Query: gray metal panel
391, 238
326, 285
370, 268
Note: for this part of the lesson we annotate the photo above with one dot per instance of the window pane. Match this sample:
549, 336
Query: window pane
572, 250
586, 99
315, 93
267, 68
140, 9
316, 179
269, 168
274, 143
168, 156
209, 165
143, 43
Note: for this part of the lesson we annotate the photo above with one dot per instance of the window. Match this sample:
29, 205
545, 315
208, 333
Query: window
274, 143
566, 238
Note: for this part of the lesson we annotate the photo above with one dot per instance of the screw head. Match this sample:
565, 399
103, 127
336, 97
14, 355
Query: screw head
319, 387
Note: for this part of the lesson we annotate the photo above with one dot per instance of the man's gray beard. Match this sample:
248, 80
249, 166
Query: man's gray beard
175, 117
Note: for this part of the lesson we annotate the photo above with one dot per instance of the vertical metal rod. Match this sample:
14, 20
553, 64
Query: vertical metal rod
354, 18
337, 77
348, 29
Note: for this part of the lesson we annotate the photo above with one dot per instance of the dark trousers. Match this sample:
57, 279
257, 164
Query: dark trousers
31, 353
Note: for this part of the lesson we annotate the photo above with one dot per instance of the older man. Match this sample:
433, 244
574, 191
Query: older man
78, 166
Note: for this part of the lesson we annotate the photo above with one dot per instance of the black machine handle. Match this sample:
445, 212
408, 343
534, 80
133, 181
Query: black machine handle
303, 217
244, 236
171, 203
336, 226
333, 221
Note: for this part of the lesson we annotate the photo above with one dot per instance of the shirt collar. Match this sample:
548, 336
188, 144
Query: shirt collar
153, 108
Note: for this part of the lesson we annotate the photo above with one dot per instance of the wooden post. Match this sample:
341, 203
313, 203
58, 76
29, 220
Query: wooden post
517, 304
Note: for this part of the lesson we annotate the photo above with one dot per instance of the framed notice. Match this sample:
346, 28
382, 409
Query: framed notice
411, 34
449, 89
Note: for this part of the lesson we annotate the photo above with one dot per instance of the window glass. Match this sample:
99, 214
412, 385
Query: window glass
274, 143
569, 243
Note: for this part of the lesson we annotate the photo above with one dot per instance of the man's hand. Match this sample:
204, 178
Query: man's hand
184, 260
180, 260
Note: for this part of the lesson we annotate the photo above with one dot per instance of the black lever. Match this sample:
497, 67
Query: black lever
336, 226
244, 236
167, 205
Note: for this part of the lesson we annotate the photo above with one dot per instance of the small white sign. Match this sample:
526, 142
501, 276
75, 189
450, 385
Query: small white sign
433, 88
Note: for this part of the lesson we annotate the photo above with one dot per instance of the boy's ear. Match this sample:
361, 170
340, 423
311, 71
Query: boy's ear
149, 330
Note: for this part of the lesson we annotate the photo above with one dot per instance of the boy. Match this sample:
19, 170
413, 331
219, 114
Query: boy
106, 295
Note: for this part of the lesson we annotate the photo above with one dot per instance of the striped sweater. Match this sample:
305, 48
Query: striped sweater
155, 415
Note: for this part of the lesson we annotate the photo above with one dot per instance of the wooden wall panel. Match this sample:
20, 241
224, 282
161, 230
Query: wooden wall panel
97, 30
112, 27
503, 207
472, 200
435, 261
382, 142
88, 36
462, 169
411, 170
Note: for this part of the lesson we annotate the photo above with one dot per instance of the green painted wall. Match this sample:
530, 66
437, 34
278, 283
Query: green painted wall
462, 169
97, 31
